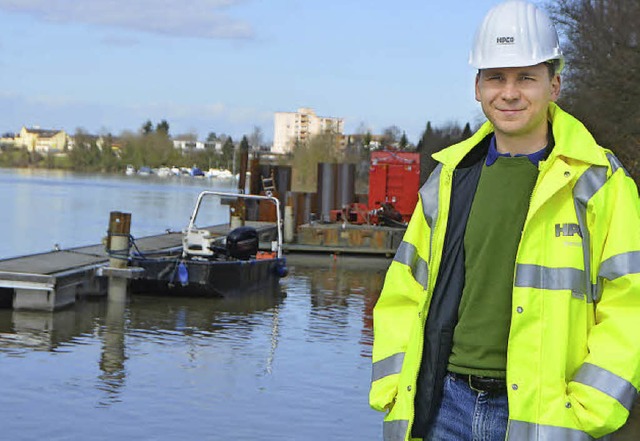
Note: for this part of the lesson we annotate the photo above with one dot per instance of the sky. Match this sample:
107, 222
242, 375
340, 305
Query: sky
226, 66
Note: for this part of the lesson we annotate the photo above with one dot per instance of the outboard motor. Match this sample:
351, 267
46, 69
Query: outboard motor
242, 243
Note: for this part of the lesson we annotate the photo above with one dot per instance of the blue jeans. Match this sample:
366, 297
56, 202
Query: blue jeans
467, 415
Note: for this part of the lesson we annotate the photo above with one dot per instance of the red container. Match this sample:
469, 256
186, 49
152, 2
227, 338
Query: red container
394, 177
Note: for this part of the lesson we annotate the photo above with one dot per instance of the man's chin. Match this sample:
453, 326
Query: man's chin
509, 128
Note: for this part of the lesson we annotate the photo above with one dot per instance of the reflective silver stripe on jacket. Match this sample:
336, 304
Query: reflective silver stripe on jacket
542, 277
607, 382
387, 366
395, 430
429, 195
407, 254
620, 265
616, 164
587, 185
522, 431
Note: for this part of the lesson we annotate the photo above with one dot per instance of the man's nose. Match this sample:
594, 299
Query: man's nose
510, 91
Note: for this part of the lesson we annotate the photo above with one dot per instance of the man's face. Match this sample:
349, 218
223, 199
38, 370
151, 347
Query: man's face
516, 99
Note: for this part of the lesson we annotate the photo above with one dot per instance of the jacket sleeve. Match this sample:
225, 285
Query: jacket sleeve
396, 311
606, 385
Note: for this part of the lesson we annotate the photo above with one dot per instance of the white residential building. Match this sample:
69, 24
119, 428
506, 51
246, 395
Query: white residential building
292, 127
187, 144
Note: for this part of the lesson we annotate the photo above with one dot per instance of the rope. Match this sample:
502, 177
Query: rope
132, 243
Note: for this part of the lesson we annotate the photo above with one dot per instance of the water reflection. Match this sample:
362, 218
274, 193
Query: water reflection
113, 354
221, 368
343, 289
22, 331
124, 327
190, 323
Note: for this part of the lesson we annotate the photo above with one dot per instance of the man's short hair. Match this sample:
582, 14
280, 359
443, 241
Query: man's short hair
553, 66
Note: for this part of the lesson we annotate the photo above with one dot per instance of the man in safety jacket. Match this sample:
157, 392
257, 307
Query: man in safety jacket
564, 342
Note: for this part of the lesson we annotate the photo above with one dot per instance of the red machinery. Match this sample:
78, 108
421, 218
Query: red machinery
394, 179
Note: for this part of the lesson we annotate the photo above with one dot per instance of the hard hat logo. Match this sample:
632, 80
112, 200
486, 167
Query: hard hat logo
515, 34
505, 40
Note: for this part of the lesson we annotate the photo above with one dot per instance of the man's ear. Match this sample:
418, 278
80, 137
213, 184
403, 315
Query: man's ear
556, 84
477, 88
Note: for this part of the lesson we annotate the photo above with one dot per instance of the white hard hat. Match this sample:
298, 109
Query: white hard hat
515, 34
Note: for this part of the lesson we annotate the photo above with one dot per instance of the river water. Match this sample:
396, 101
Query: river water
289, 366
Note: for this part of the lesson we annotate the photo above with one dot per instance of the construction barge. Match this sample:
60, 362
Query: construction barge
335, 219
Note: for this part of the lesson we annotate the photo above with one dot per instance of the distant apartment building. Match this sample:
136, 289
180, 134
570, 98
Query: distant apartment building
300, 126
41, 140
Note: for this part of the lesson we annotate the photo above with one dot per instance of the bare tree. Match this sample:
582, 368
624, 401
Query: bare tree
256, 139
602, 78
391, 135
435, 139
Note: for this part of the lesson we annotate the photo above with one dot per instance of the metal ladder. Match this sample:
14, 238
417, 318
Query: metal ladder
269, 184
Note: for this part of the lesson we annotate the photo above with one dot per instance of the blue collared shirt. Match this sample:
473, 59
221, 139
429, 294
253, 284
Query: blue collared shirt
493, 154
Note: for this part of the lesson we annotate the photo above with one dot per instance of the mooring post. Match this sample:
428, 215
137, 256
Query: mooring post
118, 246
118, 239
288, 222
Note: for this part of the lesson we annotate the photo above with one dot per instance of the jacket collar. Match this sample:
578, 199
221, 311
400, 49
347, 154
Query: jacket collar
572, 141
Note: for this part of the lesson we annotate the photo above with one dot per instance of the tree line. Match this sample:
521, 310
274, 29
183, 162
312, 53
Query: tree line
151, 146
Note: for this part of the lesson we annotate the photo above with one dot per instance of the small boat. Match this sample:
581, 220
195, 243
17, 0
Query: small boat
145, 171
217, 173
210, 265
195, 172
130, 170
164, 172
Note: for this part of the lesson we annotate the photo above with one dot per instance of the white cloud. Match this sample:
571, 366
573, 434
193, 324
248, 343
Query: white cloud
191, 18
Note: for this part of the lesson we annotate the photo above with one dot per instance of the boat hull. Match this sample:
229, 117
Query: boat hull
213, 278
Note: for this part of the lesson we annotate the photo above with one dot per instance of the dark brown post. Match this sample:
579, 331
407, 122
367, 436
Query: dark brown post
118, 239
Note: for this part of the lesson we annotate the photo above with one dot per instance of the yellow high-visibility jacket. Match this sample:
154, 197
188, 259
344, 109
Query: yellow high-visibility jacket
573, 358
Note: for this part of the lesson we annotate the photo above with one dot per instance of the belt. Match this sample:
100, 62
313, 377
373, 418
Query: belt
494, 386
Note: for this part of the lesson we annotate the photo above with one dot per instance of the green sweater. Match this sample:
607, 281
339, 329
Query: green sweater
491, 241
